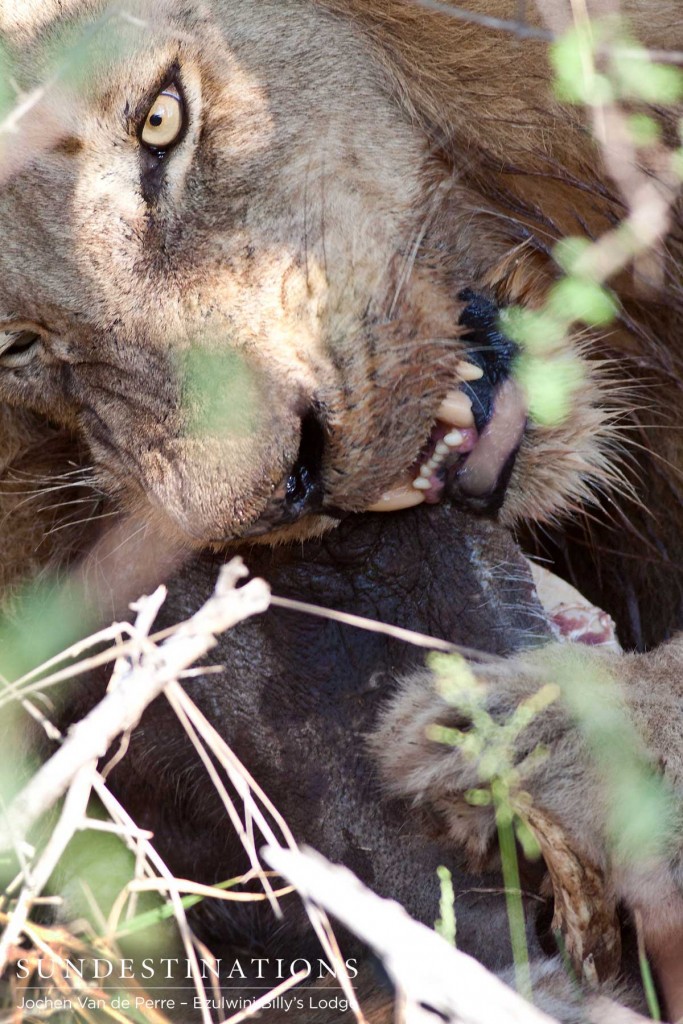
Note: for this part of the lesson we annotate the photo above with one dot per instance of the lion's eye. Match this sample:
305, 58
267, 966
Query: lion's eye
165, 119
18, 348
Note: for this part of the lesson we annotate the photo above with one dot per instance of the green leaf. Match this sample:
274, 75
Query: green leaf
535, 330
585, 300
455, 679
478, 797
576, 80
150, 918
569, 251
644, 129
442, 734
220, 397
640, 77
677, 163
7, 95
80, 51
550, 386
446, 925
642, 817
527, 840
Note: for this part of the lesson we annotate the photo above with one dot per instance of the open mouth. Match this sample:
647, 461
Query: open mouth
471, 449
461, 461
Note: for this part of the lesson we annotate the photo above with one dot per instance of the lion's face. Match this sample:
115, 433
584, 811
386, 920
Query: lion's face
216, 266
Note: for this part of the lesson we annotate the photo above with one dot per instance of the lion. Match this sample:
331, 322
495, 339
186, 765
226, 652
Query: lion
253, 264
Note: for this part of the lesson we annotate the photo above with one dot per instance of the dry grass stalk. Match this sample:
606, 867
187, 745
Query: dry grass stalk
138, 680
135, 687
145, 667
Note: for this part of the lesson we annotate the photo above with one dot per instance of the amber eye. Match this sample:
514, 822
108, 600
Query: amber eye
165, 119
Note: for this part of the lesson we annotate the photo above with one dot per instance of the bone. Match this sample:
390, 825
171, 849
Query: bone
585, 905
572, 616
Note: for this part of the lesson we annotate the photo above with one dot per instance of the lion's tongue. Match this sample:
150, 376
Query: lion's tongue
498, 442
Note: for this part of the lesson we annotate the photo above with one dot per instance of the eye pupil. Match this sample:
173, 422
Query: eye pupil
155, 120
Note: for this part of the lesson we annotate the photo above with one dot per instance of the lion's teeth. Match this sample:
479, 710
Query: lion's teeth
468, 371
456, 410
441, 449
420, 484
404, 496
454, 439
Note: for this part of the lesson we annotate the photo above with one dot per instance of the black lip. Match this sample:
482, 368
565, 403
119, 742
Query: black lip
303, 488
488, 348
494, 353
302, 492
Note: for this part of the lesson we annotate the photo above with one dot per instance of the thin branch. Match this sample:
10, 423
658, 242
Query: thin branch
523, 30
518, 28
73, 812
409, 636
434, 981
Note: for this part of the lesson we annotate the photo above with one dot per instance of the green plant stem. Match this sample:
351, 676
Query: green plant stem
513, 899
651, 999
649, 987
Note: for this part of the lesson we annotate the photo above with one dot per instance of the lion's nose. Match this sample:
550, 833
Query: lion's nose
303, 487
301, 491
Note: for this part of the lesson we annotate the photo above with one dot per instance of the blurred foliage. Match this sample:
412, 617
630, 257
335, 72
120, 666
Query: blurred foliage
628, 72
219, 391
597, 63
446, 925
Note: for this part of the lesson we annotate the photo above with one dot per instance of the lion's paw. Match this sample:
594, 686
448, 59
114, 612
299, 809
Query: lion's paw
589, 740
443, 741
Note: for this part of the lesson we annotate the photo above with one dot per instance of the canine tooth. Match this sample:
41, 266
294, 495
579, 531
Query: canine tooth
398, 498
469, 371
456, 410
420, 484
441, 449
454, 439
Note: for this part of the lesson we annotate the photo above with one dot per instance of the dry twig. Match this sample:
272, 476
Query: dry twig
433, 980
427, 972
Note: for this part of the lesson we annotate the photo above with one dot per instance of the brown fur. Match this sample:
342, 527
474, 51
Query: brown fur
297, 257
349, 167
